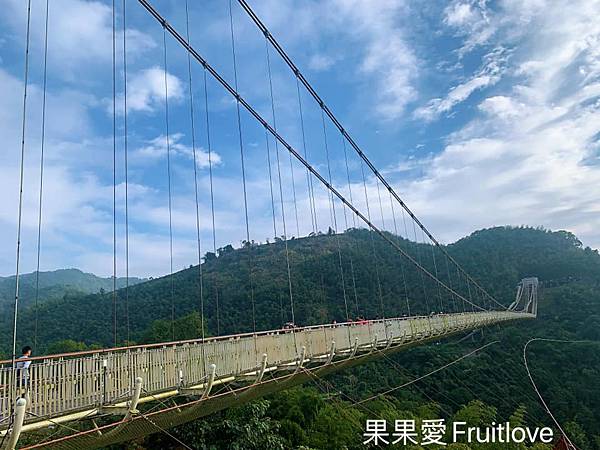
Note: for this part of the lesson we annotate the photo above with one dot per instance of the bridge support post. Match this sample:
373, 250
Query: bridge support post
301, 360
135, 398
263, 367
17, 425
354, 349
374, 343
211, 380
331, 353
390, 340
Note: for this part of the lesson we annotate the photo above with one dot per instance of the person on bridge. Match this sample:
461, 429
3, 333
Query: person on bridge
22, 366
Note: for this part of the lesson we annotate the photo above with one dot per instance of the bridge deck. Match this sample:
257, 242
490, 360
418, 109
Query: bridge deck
62, 384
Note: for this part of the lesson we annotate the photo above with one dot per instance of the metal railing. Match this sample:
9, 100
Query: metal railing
61, 384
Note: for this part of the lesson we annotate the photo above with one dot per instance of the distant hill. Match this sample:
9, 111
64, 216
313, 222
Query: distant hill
55, 283
53, 286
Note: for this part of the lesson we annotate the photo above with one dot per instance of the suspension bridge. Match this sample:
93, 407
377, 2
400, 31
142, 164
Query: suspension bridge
185, 380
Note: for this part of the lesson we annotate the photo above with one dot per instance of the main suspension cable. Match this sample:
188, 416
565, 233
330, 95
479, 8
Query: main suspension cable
261, 26
242, 101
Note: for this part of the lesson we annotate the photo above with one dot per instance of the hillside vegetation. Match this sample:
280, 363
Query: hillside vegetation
498, 258
491, 386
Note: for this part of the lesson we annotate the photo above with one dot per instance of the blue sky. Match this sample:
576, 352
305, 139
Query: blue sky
479, 113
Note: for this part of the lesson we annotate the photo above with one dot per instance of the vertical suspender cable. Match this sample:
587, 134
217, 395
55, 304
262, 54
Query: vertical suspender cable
437, 276
380, 293
271, 183
401, 260
470, 296
277, 144
294, 195
380, 208
114, 112
424, 244
334, 219
193, 131
168, 142
335, 121
458, 287
125, 155
241, 144
274, 248
380, 205
309, 186
451, 284
285, 237
126, 176
353, 224
405, 231
212, 197
20, 210
243, 102
420, 263
43, 140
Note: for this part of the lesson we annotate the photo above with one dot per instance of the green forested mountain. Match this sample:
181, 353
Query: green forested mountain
491, 386
498, 258
55, 284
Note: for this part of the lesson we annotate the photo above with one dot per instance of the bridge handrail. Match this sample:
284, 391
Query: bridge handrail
108, 350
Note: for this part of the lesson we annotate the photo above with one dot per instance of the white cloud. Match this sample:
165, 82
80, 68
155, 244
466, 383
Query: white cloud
388, 57
80, 34
490, 73
320, 62
502, 107
387, 65
146, 89
459, 14
470, 19
531, 155
157, 148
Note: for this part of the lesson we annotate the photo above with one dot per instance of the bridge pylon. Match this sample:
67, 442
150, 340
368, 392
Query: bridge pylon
527, 296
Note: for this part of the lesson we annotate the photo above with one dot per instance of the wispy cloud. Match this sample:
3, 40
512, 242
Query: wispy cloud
320, 62
157, 148
493, 67
530, 155
80, 34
